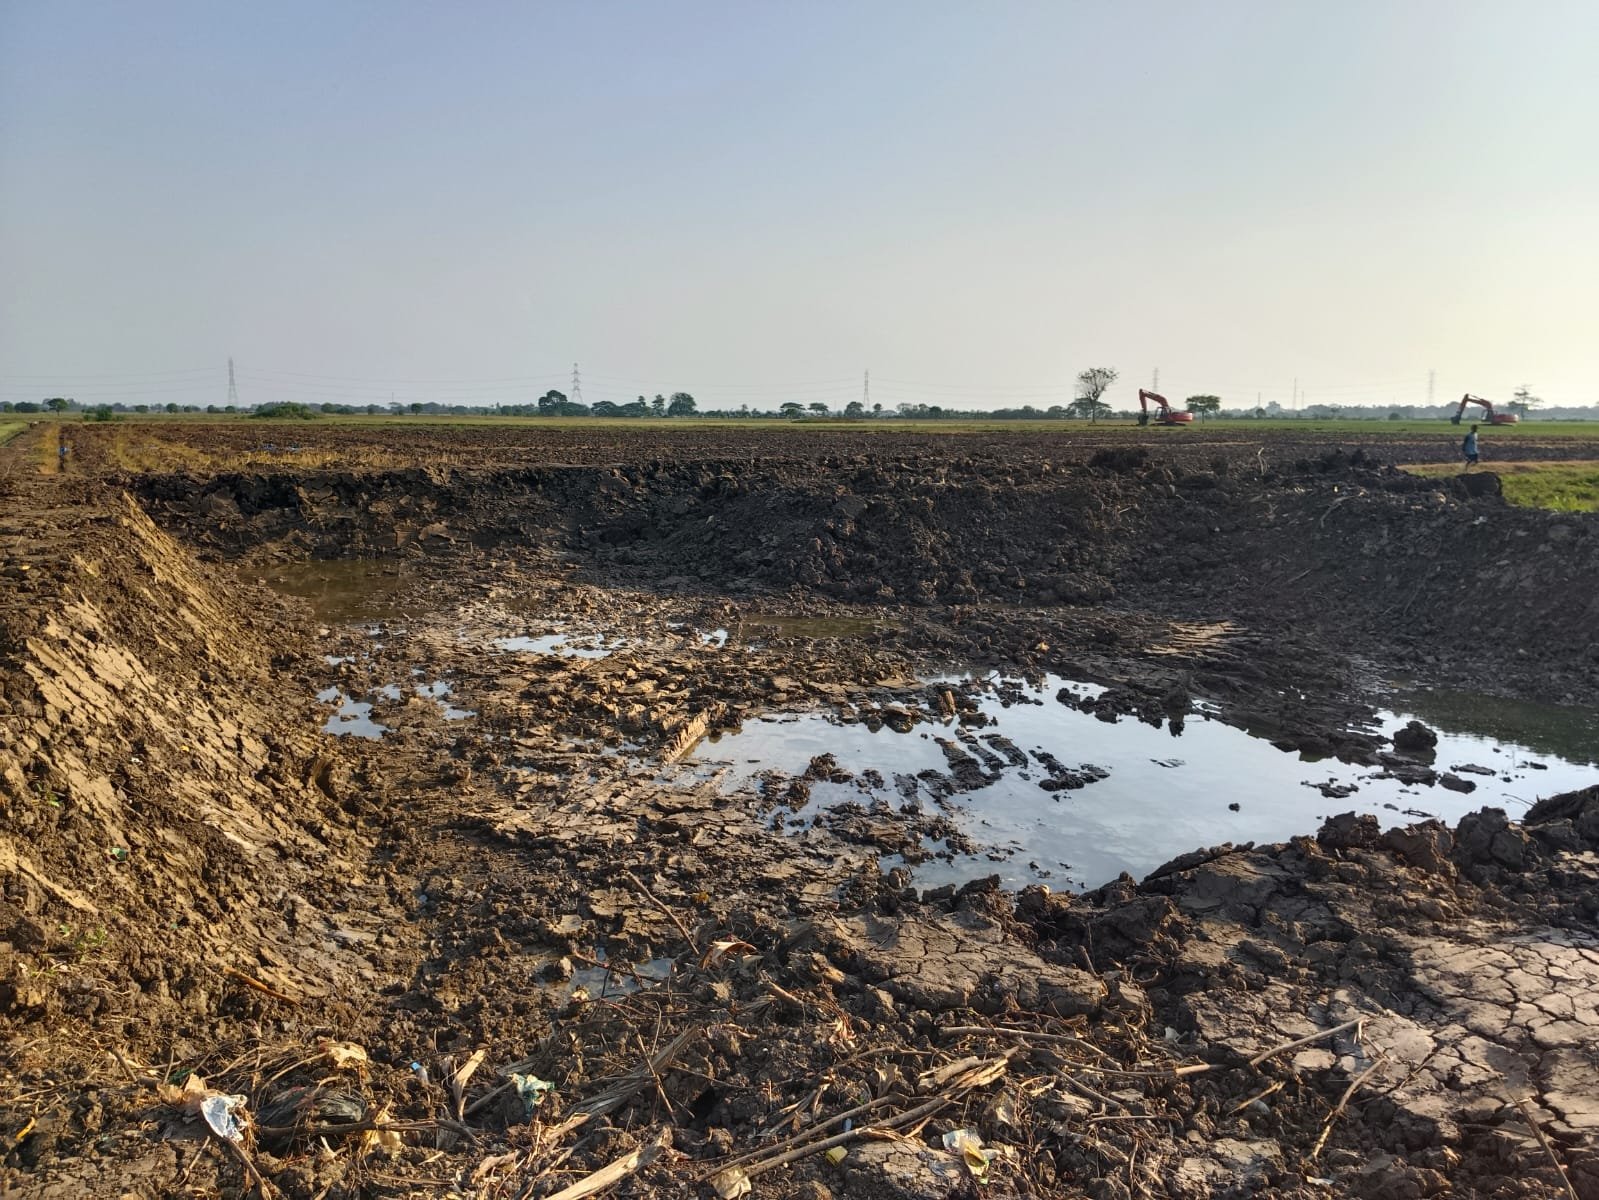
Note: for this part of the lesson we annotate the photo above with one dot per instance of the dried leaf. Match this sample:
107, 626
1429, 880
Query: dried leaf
964, 1074
730, 948
461, 1076
493, 1163
731, 1183
970, 1147
343, 1055
387, 1140
187, 1097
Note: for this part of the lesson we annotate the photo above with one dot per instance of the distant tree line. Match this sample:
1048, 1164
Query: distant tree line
1088, 404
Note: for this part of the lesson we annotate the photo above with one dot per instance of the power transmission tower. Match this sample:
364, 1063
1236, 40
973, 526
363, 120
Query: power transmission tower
866, 391
576, 394
1432, 377
233, 387
1155, 386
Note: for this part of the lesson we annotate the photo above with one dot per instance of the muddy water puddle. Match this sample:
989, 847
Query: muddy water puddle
344, 590
353, 717
562, 644
1553, 729
758, 632
1055, 795
1025, 786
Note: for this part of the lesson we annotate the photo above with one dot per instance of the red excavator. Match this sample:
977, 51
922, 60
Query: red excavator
1167, 414
1504, 418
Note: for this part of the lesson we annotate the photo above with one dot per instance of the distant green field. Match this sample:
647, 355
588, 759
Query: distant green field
1587, 430
1111, 427
1561, 486
10, 429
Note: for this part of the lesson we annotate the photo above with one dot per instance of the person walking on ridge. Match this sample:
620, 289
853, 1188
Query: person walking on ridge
1469, 448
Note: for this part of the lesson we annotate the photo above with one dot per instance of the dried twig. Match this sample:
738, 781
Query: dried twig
1306, 1040
804, 1136
619, 1170
919, 1113
625, 1087
1560, 1167
262, 1187
964, 1076
367, 1126
251, 982
1078, 1086
1343, 1102
1013, 1032
1330, 507
644, 1052
1147, 1071
650, 896
1261, 1095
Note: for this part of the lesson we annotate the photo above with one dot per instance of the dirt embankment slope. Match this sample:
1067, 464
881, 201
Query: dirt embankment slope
1420, 573
166, 830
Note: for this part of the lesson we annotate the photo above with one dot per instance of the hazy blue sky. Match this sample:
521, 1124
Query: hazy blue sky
756, 202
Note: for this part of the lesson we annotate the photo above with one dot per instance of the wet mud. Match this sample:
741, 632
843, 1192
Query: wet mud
393, 788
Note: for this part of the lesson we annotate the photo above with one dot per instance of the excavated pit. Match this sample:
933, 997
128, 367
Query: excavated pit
541, 857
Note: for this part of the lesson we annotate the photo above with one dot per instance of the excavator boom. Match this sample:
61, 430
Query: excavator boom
1493, 418
1165, 413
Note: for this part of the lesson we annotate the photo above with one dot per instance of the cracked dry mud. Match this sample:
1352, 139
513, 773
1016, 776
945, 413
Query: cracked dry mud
194, 881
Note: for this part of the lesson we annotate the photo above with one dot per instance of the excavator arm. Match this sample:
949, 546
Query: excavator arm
1492, 418
1166, 414
1468, 398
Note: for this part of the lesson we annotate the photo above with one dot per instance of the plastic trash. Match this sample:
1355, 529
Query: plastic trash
532, 1090
970, 1147
217, 1110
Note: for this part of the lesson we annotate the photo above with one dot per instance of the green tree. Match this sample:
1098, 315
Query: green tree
792, 409
285, 410
1203, 406
680, 405
1523, 401
817, 407
658, 405
550, 403
1092, 385
57, 404
855, 409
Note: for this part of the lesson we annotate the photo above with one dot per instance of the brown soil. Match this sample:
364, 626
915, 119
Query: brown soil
196, 883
